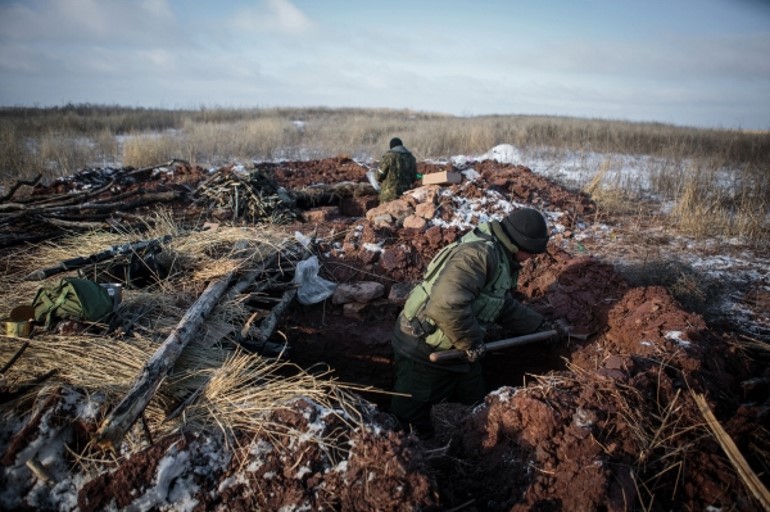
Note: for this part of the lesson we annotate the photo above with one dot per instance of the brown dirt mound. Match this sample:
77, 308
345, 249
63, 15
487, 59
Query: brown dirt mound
283, 468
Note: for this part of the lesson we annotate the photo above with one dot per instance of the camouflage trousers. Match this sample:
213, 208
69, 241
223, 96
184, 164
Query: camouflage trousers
427, 386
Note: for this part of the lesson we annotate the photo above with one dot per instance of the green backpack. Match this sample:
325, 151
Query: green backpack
72, 298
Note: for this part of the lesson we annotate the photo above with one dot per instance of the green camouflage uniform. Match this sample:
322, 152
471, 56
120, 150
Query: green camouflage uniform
397, 172
467, 287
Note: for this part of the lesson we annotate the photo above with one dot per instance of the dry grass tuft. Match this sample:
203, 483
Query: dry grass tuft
609, 193
245, 389
144, 150
223, 388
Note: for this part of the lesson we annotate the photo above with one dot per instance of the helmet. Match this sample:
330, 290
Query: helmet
527, 229
395, 141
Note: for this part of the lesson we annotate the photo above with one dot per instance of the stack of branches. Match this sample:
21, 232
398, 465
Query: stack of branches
249, 196
90, 199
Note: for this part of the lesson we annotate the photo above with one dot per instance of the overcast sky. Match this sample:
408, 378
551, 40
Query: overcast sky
687, 62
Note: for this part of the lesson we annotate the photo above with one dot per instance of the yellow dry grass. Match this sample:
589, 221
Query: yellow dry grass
232, 390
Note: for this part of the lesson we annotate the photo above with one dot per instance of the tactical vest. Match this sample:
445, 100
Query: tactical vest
486, 308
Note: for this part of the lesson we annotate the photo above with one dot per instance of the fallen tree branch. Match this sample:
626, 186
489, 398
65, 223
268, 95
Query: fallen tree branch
152, 245
21, 210
50, 201
20, 439
750, 479
269, 324
15, 239
72, 224
16, 356
125, 414
18, 184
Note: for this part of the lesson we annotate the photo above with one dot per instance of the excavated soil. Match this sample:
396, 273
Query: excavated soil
605, 422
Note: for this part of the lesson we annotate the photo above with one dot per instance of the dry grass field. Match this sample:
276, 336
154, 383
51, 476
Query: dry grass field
719, 175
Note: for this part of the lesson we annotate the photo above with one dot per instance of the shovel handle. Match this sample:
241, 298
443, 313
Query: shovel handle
449, 355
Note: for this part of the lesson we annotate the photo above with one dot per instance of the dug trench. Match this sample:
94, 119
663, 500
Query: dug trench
567, 427
605, 422
612, 422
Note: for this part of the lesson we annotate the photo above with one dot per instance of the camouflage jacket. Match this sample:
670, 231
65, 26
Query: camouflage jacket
397, 172
465, 273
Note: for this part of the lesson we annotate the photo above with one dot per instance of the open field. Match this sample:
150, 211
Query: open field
722, 175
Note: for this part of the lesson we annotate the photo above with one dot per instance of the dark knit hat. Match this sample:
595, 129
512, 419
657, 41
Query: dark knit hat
527, 229
395, 141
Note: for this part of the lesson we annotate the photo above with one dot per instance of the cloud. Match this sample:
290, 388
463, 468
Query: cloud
276, 16
86, 21
674, 57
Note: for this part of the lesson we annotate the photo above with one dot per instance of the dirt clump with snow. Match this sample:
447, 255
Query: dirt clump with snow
607, 421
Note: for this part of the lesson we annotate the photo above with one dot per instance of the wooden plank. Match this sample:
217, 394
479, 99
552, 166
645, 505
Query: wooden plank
442, 178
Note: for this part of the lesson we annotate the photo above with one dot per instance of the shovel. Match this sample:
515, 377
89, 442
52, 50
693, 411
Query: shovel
449, 355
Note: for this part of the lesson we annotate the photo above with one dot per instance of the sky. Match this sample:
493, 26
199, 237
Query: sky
703, 63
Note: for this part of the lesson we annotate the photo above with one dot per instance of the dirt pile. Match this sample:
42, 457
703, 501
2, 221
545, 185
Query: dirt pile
608, 422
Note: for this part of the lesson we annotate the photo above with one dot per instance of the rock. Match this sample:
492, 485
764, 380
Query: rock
394, 258
353, 310
382, 220
396, 210
320, 214
425, 210
425, 194
415, 222
434, 235
362, 292
399, 292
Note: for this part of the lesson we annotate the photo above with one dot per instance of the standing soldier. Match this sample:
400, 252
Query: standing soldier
397, 171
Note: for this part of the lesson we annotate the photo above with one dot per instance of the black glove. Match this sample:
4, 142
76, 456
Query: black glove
562, 327
476, 352
562, 331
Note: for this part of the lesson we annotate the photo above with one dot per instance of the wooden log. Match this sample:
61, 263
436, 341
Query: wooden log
119, 421
18, 184
269, 324
72, 224
16, 239
250, 276
23, 211
16, 356
51, 200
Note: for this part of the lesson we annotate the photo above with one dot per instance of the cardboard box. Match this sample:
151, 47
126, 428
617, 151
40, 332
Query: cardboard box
442, 178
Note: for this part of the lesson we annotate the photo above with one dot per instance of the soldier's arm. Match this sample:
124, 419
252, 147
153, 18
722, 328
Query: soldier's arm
518, 318
382, 170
